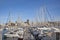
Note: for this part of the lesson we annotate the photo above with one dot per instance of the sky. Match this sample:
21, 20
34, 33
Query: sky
27, 9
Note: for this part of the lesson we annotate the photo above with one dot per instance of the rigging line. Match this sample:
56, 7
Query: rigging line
37, 16
49, 14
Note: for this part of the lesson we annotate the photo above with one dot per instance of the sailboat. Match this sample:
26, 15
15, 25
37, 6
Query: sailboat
44, 31
11, 32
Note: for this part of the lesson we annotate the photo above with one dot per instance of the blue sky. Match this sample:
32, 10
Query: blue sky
26, 9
